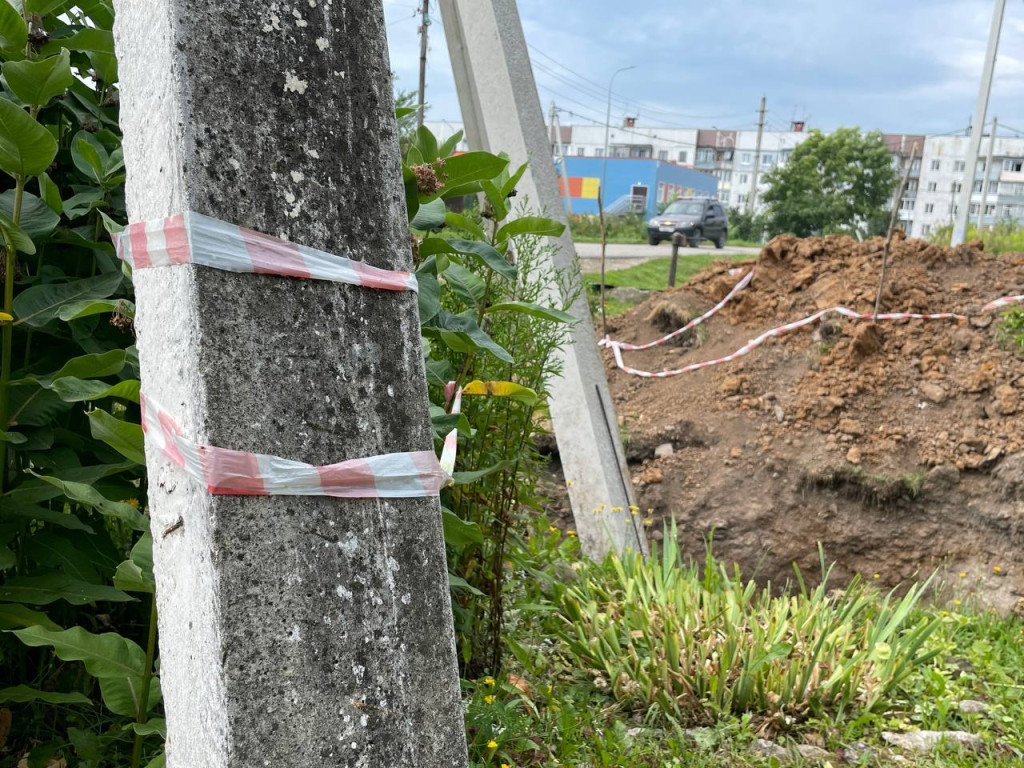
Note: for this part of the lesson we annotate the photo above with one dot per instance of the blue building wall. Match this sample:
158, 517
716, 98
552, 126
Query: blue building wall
663, 181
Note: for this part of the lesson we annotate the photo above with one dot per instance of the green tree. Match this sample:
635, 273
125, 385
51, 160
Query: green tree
835, 182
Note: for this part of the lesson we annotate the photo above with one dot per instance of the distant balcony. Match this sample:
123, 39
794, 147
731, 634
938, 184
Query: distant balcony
1012, 176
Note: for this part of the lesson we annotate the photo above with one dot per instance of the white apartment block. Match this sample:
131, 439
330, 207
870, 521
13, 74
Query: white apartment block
933, 187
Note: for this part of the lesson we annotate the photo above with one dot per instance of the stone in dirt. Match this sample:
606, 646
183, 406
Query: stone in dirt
932, 392
628, 295
663, 451
972, 707
854, 455
770, 749
867, 340
851, 427
926, 741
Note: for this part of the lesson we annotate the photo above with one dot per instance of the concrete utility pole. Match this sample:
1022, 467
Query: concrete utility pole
502, 112
424, 27
556, 127
752, 199
988, 172
294, 631
978, 124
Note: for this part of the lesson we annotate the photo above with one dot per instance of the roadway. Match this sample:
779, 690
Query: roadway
622, 255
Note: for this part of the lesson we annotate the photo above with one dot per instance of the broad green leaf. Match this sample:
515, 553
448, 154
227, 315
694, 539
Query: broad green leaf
426, 143
510, 183
16, 616
130, 578
15, 235
457, 582
33, 490
13, 30
104, 65
160, 761
108, 363
26, 147
461, 333
497, 200
33, 406
457, 532
412, 195
22, 694
428, 296
72, 390
46, 589
124, 437
470, 166
77, 309
54, 550
531, 225
42, 514
465, 223
7, 559
85, 39
430, 216
14, 438
401, 112
121, 695
151, 727
105, 655
38, 305
534, 310
37, 219
93, 499
49, 192
88, 746
80, 204
487, 255
466, 284
450, 144
43, 7
89, 155
36, 82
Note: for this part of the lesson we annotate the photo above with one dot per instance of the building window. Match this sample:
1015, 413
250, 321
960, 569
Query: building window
1013, 165
929, 207
663, 154
993, 186
784, 156
936, 165
990, 210
981, 164
959, 165
932, 186
741, 199
912, 185
705, 155
746, 158
915, 166
768, 159
1006, 211
725, 175
724, 196
581, 151
906, 205
682, 156
973, 210
926, 229
957, 186
744, 178
979, 185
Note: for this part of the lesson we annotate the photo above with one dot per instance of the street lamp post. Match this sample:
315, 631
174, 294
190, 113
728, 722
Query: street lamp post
608, 127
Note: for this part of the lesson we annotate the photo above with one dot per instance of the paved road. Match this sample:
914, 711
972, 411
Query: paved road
621, 255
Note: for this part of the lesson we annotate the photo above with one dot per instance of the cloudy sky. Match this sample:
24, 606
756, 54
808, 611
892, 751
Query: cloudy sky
909, 66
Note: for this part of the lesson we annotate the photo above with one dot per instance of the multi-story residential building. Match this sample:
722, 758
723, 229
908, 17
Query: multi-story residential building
928, 202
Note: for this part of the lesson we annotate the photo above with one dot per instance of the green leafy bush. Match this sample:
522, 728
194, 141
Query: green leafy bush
1010, 331
699, 644
1003, 237
627, 228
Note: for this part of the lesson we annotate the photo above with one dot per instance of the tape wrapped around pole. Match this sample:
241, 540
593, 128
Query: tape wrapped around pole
191, 238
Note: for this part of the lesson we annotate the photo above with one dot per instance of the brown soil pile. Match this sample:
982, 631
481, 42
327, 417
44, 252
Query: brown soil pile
899, 446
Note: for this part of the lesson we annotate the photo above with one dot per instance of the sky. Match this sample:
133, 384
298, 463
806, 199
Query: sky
911, 66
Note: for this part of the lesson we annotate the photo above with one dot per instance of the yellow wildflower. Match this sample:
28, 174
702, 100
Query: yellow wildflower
488, 699
877, 576
492, 744
568, 482
633, 511
505, 765
963, 574
488, 681
132, 503
616, 509
552, 529
956, 602
648, 521
570, 533
6, 318
633, 506
996, 569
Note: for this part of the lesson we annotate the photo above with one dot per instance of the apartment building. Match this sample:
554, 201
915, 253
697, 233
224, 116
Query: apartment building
936, 172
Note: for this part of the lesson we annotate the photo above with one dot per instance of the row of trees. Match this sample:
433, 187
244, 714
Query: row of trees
841, 182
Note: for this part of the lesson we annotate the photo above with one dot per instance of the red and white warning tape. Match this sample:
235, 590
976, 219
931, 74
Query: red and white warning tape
239, 473
618, 346
191, 238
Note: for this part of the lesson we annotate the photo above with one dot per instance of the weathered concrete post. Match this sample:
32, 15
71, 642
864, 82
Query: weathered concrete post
502, 113
294, 631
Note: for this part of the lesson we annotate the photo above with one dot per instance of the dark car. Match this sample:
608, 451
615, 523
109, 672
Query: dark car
694, 219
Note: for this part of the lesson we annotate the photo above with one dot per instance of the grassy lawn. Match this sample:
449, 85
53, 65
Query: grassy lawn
650, 276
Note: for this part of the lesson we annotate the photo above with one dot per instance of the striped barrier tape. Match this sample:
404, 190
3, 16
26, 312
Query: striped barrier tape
617, 347
227, 472
191, 238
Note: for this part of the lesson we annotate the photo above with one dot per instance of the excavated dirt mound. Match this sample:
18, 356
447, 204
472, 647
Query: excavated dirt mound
899, 447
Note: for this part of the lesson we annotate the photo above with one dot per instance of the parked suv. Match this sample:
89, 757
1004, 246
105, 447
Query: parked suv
694, 219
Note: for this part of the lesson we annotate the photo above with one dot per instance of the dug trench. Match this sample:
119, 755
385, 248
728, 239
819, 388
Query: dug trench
897, 446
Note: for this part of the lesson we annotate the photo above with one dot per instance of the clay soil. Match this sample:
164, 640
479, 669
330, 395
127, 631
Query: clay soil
898, 446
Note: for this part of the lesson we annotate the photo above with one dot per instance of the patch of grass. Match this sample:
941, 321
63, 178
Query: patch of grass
553, 706
1010, 331
653, 275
